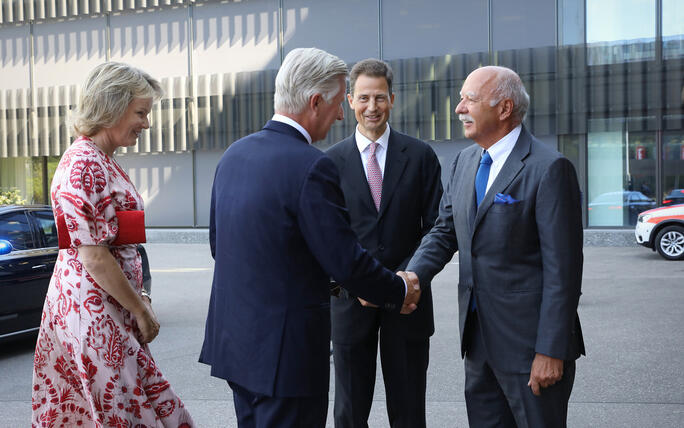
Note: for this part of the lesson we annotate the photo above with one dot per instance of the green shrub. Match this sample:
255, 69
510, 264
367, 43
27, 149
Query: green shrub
11, 197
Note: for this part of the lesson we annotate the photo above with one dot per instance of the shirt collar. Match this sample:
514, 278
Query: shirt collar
502, 148
362, 142
284, 119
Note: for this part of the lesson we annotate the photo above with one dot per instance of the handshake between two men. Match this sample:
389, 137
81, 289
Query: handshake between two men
412, 293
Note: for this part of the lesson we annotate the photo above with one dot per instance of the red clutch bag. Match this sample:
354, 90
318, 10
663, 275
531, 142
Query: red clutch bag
131, 229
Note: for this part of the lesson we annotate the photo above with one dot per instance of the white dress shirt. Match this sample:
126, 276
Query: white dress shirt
284, 119
499, 153
363, 144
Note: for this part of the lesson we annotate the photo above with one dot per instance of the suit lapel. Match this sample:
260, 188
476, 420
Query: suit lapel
395, 163
514, 164
467, 180
353, 170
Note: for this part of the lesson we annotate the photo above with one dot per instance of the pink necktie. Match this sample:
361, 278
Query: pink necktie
374, 176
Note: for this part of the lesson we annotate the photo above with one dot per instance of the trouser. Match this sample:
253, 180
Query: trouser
498, 399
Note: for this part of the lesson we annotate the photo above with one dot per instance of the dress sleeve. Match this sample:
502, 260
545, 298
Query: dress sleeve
86, 201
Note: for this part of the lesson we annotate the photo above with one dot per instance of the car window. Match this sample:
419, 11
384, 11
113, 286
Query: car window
15, 228
46, 225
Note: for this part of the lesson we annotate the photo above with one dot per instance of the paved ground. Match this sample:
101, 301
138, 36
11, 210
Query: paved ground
631, 313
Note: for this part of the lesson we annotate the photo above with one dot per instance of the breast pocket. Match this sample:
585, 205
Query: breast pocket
509, 210
507, 223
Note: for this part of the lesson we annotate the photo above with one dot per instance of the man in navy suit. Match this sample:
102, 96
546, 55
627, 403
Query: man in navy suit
392, 187
512, 210
278, 232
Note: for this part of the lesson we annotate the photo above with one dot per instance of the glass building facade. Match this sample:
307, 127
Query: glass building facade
605, 79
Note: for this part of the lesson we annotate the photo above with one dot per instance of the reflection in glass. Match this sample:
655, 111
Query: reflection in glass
47, 227
15, 228
673, 168
620, 31
621, 172
673, 28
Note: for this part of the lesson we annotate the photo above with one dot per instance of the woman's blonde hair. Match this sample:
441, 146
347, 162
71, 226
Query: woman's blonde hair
107, 92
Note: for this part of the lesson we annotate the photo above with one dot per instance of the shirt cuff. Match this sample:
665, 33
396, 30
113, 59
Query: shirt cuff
405, 286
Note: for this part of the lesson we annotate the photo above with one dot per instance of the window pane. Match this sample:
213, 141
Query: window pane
620, 31
23, 179
508, 18
46, 224
14, 54
14, 227
65, 53
235, 58
673, 28
621, 172
673, 168
431, 56
305, 21
571, 22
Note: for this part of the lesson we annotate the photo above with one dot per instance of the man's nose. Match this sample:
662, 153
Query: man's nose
460, 108
340, 113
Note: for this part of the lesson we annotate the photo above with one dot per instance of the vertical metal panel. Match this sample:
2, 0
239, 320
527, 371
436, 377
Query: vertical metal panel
169, 141
18, 11
42, 120
155, 139
3, 125
40, 10
180, 84
53, 113
24, 104
11, 112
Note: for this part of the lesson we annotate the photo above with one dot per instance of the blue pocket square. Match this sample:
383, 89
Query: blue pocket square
500, 198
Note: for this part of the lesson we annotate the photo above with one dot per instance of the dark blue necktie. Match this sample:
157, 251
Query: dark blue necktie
480, 190
482, 177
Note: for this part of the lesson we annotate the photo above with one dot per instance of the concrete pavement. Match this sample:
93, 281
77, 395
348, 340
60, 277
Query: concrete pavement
631, 312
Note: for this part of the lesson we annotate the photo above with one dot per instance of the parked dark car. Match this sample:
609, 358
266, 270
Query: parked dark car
28, 251
675, 197
626, 203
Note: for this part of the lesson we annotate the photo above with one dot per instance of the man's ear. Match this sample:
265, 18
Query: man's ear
350, 98
505, 109
315, 102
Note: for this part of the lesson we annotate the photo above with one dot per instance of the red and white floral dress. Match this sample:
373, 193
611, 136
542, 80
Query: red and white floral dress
89, 369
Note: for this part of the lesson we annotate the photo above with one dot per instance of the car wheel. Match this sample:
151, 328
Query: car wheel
670, 243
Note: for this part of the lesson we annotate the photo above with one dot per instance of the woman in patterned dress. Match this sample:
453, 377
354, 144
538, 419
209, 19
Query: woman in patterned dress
92, 365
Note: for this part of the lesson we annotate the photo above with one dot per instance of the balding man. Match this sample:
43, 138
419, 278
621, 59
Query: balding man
278, 232
511, 209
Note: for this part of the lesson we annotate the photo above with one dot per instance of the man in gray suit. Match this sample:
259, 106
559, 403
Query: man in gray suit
511, 209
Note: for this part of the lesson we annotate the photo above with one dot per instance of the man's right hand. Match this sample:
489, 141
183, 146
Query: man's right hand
412, 292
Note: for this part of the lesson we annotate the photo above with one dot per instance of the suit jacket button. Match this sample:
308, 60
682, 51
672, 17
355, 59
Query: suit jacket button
389, 306
381, 247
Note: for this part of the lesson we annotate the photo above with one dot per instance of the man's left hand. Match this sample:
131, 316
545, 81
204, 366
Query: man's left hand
545, 372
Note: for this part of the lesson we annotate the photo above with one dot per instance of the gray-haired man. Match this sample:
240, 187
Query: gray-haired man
278, 232
512, 210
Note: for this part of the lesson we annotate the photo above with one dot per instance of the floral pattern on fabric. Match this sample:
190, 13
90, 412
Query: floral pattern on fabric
89, 368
